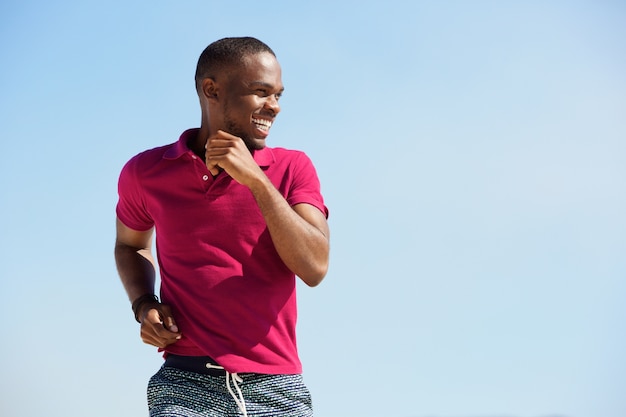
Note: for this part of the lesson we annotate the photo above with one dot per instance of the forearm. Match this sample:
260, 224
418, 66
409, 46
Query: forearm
136, 270
302, 245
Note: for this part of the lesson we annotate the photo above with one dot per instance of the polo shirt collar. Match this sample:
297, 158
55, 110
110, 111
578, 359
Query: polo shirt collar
264, 157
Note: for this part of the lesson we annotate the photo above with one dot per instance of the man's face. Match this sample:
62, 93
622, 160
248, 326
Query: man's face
250, 99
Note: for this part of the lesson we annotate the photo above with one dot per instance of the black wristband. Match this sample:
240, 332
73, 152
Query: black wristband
140, 301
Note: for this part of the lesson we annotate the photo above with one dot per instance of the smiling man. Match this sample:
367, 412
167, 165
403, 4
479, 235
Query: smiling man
235, 222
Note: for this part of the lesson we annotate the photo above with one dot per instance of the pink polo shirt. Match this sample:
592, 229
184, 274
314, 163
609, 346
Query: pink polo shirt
232, 296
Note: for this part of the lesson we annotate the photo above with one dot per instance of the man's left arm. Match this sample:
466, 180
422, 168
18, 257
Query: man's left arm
300, 233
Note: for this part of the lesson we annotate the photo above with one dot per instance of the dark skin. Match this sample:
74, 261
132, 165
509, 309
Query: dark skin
238, 107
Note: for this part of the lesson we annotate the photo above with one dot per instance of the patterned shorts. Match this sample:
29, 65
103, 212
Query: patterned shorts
176, 393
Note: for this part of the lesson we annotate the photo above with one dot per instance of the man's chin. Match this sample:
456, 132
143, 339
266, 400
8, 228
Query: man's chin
254, 144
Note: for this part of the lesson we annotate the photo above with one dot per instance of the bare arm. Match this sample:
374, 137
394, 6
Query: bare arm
300, 234
133, 257
135, 265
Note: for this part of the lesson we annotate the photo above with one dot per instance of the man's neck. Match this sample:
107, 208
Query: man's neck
198, 143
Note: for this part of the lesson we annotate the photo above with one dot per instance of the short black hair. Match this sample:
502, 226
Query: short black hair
225, 53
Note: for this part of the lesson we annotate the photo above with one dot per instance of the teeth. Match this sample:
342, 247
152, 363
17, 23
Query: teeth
262, 123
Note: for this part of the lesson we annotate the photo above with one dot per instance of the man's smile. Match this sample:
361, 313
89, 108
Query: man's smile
262, 124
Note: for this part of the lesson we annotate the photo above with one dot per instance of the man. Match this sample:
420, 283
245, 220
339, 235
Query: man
235, 222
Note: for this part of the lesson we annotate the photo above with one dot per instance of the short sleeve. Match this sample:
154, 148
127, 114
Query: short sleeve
306, 185
131, 206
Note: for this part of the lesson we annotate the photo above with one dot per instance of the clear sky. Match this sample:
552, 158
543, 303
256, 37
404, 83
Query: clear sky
472, 155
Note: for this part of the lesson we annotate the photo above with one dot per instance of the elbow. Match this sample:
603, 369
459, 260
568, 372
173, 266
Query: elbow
314, 275
312, 264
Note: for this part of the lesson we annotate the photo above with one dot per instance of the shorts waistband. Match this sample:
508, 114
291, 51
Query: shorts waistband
197, 364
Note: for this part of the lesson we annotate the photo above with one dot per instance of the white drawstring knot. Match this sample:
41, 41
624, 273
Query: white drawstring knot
236, 379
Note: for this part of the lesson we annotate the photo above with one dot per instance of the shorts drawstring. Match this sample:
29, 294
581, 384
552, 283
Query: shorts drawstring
236, 379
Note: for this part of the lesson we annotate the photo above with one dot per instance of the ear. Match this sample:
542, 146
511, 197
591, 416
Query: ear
210, 89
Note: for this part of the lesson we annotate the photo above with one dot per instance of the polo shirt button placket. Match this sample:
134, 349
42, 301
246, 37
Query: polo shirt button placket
205, 177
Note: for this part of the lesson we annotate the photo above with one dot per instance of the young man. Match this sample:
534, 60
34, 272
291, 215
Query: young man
235, 222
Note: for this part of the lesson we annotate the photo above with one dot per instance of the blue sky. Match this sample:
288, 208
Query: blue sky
472, 155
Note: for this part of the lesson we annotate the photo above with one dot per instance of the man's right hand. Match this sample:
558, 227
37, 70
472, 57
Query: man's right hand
158, 327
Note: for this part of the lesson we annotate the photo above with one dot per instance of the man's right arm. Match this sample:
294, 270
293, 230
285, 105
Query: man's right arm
135, 265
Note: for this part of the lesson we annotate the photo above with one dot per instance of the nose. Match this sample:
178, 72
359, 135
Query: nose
272, 104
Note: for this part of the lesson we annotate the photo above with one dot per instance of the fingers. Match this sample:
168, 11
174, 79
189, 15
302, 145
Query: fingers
221, 144
224, 135
217, 149
158, 328
214, 169
229, 153
168, 320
